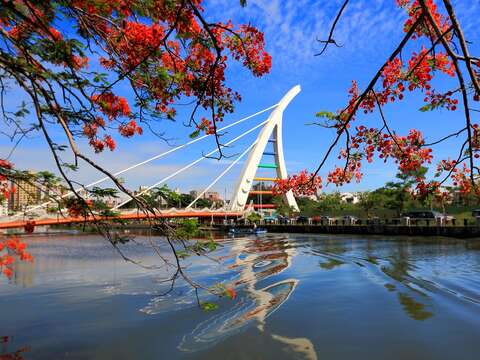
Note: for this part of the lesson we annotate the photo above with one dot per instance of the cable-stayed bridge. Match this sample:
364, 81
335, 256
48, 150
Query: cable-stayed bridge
258, 158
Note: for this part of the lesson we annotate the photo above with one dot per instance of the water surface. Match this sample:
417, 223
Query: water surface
298, 297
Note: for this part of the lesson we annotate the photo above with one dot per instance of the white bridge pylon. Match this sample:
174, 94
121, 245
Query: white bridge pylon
272, 131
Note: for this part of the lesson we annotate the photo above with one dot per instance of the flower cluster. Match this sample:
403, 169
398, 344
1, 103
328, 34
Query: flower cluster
399, 75
4, 187
415, 10
408, 151
207, 126
340, 176
113, 107
162, 67
12, 248
130, 129
303, 183
165, 51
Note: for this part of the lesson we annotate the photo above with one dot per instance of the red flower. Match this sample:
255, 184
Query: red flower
130, 129
8, 272
231, 293
16, 249
302, 183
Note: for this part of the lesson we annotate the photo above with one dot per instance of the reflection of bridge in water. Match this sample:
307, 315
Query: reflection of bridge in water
269, 143
257, 261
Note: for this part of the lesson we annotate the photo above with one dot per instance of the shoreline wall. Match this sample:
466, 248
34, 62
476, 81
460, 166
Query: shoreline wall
461, 232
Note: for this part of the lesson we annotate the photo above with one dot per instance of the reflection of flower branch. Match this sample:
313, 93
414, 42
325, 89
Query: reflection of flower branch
16, 355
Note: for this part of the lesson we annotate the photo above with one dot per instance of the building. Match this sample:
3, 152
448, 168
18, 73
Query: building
350, 198
310, 197
212, 196
142, 189
4, 207
23, 194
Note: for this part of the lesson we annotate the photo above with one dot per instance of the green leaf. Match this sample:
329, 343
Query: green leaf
194, 134
425, 108
107, 192
208, 306
72, 167
182, 254
326, 114
212, 245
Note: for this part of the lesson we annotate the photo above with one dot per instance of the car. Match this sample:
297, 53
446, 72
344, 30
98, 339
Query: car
349, 219
302, 220
323, 219
475, 212
427, 215
282, 219
270, 219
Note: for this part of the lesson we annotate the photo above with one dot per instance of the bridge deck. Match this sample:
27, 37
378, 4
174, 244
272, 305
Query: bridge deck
141, 216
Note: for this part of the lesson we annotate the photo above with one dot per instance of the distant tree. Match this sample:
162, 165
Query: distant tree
185, 200
282, 208
254, 217
202, 203
369, 201
397, 195
330, 203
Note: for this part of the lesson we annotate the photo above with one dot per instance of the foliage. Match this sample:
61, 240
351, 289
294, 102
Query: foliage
95, 70
369, 201
254, 217
433, 47
202, 203
186, 229
389, 201
223, 290
330, 203
208, 306
163, 50
397, 196
308, 207
281, 208
199, 247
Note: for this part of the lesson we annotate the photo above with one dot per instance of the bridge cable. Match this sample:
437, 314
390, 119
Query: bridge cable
221, 175
192, 163
151, 159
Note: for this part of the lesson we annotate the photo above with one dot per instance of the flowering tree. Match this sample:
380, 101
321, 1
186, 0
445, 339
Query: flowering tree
440, 49
65, 62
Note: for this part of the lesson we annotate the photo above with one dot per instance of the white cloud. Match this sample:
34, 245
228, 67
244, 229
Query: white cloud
291, 27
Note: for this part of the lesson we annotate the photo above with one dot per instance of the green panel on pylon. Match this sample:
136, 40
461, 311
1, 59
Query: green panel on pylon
267, 166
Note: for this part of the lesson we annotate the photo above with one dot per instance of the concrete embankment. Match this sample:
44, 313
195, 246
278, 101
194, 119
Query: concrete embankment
462, 232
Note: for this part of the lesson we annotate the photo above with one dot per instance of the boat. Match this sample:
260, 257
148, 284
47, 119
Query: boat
247, 231
259, 231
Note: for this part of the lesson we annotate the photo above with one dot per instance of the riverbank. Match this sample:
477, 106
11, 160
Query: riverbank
461, 232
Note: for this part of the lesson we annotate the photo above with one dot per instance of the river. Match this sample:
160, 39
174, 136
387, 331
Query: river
298, 297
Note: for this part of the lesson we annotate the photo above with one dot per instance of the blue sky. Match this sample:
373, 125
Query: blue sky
368, 33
